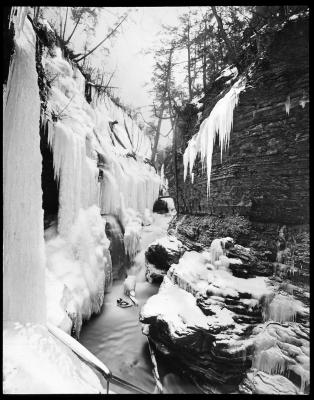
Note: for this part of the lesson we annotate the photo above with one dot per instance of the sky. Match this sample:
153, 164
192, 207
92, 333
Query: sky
129, 58
127, 54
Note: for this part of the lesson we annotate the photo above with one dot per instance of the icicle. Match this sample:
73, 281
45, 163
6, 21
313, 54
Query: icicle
287, 105
282, 309
219, 122
303, 100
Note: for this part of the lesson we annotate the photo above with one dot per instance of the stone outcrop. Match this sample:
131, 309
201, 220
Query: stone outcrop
223, 329
160, 255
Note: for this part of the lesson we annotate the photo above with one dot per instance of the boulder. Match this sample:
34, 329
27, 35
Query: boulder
160, 255
252, 264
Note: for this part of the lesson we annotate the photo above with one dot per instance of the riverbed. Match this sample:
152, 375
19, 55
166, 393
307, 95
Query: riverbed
115, 335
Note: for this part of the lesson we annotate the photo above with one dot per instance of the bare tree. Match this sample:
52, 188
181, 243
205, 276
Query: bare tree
102, 41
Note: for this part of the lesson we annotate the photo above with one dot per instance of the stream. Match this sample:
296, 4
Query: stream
115, 336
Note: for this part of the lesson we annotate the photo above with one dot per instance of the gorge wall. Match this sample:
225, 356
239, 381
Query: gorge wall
264, 174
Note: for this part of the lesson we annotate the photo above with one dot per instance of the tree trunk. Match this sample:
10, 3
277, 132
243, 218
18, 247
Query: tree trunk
65, 23
189, 64
204, 58
174, 146
100, 43
162, 107
231, 51
168, 87
154, 151
74, 29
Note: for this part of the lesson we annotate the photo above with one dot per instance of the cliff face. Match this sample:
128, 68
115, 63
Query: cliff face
264, 173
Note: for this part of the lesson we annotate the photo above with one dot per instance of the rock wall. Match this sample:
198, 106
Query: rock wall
264, 175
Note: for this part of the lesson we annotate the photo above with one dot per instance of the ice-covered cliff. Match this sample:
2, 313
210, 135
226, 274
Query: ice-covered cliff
98, 156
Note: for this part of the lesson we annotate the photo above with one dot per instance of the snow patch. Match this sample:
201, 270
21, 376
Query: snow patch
34, 362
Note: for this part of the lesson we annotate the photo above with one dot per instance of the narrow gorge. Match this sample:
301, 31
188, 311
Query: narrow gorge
135, 261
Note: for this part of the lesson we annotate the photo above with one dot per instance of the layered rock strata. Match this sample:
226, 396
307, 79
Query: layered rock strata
213, 322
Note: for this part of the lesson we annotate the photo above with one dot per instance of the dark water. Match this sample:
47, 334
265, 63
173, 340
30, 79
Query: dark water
115, 336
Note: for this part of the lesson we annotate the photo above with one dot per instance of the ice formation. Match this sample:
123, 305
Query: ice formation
81, 264
66, 280
164, 184
79, 133
219, 121
85, 139
34, 362
23, 230
132, 222
270, 384
283, 309
217, 248
287, 105
281, 349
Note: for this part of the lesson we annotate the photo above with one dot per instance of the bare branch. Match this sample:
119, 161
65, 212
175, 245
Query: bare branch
74, 29
65, 23
100, 43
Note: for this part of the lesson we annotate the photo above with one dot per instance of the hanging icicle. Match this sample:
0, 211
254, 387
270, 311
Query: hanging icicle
287, 105
219, 122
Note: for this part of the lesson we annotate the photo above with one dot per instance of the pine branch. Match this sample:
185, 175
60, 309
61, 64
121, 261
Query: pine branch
100, 43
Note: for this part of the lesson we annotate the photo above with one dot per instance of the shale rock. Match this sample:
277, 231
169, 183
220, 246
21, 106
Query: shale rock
219, 327
251, 266
160, 255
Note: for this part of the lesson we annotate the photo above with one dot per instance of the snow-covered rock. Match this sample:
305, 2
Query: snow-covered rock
204, 317
160, 255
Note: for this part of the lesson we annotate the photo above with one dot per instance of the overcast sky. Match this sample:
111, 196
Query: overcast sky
133, 68
139, 33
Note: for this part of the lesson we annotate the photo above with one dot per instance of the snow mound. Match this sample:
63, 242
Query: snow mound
34, 362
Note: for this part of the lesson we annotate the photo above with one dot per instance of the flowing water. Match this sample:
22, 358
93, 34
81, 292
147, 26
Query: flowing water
115, 336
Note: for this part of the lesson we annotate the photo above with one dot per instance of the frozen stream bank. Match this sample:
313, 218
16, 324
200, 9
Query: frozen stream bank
115, 337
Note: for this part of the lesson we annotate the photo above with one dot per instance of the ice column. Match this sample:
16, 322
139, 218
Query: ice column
23, 231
